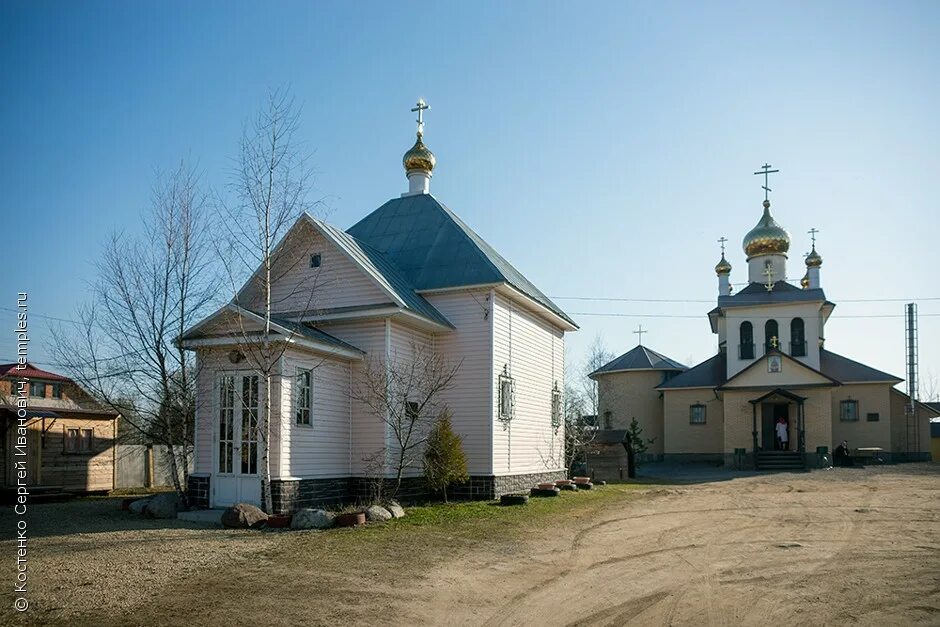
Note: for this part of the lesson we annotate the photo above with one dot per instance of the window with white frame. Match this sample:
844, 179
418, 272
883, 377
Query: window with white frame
556, 407
697, 414
302, 397
506, 394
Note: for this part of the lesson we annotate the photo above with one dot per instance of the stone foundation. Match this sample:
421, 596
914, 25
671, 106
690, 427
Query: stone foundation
487, 487
197, 490
291, 495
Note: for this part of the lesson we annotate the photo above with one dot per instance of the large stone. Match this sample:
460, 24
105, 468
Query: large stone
396, 510
377, 513
165, 505
310, 518
243, 516
139, 506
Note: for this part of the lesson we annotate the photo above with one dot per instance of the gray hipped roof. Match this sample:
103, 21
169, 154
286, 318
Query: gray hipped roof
640, 358
434, 249
845, 370
713, 372
783, 292
710, 373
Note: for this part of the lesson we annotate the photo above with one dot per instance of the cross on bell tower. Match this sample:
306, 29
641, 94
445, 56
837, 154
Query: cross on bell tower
421, 106
769, 273
766, 171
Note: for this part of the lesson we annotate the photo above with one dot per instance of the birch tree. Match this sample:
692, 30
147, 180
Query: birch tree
268, 191
123, 349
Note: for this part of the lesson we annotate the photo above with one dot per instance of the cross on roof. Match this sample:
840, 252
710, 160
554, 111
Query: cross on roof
722, 240
766, 171
812, 233
774, 341
769, 273
639, 332
421, 106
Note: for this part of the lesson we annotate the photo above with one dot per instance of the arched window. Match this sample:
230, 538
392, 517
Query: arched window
771, 335
746, 347
797, 338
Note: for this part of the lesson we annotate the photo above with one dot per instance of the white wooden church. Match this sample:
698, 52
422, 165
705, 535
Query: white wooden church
410, 274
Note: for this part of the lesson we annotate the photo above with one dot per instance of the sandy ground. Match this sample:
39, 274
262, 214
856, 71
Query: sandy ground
841, 547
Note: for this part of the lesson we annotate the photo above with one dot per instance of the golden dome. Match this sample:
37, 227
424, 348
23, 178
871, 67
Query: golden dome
419, 157
813, 259
804, 282
723, 266
767, 237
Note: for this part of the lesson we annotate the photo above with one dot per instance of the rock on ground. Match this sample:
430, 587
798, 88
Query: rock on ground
396, 510
377, 513
166, 505
310, 518
243, 516
138, 506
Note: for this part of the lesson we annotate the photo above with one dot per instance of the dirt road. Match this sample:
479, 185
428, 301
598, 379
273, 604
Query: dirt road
840, 547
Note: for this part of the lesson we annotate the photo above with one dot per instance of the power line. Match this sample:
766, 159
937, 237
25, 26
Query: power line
628, 315
690, 300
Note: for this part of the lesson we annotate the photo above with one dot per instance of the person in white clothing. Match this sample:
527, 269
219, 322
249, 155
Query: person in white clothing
783, 438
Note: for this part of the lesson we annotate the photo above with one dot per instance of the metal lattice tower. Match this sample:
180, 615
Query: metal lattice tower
910, 335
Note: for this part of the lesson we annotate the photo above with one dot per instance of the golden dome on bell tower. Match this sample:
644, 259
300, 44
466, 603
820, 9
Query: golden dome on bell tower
419, 157
767, 238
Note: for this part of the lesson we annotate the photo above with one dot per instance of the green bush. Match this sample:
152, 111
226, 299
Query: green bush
444, 459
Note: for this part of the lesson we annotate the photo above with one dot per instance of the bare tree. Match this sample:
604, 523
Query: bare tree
270, 188
597, 356
579, 431
149, 289
404, 394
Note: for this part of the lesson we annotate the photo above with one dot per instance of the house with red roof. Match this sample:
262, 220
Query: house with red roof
54, 432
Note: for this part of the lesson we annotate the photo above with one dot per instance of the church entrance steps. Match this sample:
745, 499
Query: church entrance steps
780, 460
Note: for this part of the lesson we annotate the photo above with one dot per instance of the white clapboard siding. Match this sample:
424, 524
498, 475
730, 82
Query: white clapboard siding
338, 282
469, 345
368, 431
532, 351
208, 364
405, 344
321, 449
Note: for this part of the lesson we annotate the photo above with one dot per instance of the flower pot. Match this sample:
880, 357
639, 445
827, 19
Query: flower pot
546, 486
582, 480
353, 519
564, 482
278, 521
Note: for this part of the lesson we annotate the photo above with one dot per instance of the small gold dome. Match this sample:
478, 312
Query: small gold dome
419, 157
723, 266
804, 282
767, 237
813, 259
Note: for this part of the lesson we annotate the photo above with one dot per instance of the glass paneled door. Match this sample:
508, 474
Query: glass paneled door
238, 409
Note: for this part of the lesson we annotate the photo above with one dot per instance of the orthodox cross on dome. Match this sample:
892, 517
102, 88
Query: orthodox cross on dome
722, 240
766, 171
774, 341
812, 233
769, 273
421, 106
639, 333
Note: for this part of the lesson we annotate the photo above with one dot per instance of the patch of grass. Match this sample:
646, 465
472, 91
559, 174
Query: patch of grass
139, 491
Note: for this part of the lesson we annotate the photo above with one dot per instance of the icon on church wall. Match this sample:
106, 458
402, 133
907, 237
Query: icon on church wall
774, 363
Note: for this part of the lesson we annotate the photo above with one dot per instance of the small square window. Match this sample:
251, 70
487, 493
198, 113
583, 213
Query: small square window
411, 410
37, 389
872, 417
71, 440
848, 411
697, 414
56, 390
315, 260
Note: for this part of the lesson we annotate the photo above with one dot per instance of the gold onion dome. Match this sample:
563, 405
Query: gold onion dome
723, 266
419, 157
813, 259
804, 282
767, 237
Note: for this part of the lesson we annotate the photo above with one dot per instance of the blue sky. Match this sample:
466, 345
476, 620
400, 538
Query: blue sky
602, 148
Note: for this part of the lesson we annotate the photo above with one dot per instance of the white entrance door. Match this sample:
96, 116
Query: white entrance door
236, 477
